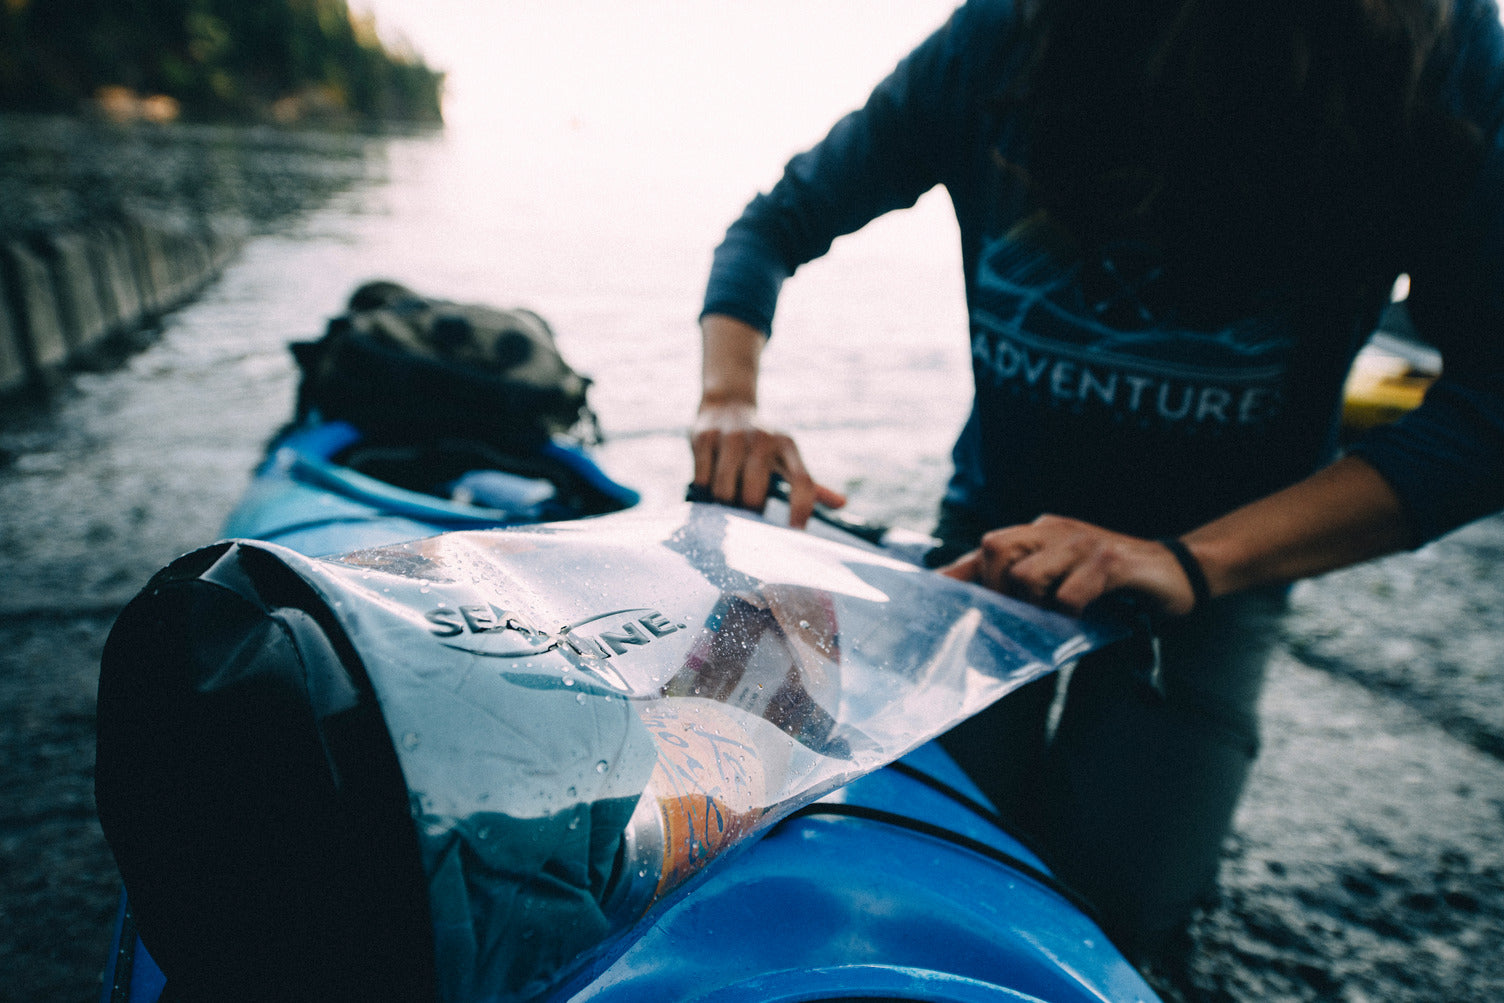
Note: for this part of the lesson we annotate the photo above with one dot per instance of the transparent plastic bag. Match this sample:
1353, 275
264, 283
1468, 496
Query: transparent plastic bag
585, 716
588, 713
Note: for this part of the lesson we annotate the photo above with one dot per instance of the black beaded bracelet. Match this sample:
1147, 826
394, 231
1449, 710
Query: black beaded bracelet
1200, 590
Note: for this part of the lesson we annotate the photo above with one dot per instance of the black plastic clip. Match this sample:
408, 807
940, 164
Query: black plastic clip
1142, 642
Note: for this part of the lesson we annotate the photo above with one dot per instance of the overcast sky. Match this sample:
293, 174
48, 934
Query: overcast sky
657, 64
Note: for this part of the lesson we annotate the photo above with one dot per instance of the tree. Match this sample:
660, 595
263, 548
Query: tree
219, 59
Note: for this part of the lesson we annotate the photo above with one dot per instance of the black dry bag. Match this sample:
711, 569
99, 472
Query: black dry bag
406, 368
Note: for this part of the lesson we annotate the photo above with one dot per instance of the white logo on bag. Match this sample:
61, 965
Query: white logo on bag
499, 633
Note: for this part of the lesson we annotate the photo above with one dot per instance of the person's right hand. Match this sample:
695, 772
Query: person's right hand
735, 458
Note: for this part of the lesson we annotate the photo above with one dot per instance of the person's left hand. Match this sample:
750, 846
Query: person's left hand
1066, 564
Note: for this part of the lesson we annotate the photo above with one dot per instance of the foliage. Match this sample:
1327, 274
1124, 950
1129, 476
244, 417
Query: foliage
217, 59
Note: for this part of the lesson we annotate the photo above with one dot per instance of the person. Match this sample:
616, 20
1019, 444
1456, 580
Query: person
1179, 220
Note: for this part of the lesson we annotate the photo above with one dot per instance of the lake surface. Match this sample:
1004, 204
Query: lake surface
588, 178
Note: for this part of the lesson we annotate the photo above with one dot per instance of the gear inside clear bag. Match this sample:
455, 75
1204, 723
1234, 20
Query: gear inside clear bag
524, 741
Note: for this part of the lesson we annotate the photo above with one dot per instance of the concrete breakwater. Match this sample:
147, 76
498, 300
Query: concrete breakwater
106, 227
65, 295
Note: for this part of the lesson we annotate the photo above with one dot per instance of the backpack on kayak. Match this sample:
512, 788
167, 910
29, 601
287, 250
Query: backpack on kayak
404, 368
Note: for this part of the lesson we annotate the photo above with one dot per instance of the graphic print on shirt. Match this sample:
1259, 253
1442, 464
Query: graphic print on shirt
1036, 332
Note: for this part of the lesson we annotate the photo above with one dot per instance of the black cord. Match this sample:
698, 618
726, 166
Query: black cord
125, 959
871, 532
992, 853
988, 814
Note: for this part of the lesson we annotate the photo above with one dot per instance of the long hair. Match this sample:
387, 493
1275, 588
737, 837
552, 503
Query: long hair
1257, 142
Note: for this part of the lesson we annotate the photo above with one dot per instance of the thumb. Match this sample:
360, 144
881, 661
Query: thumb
964, 568
829, 497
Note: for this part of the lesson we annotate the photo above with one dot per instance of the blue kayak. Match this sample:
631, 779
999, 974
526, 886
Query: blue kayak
902, 884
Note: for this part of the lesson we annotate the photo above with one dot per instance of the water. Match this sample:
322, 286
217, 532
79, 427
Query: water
590, 181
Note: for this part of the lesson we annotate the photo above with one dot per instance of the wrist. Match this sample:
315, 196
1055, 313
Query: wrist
718, 400
732, 352
1195, 573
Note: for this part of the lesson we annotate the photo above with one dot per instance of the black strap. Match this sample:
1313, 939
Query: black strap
994, 817
943, 834
125, 959
1200, 589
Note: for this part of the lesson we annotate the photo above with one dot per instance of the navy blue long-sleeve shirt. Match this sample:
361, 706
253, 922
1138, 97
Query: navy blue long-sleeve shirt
1148, 424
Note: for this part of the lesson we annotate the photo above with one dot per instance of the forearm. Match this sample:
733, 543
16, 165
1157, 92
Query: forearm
732, 353
1339, 516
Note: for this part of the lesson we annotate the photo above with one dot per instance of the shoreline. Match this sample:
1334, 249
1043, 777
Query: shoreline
68, 296
105, 227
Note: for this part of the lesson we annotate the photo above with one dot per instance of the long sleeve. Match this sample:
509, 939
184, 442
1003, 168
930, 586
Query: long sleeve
879, 158
1446, 459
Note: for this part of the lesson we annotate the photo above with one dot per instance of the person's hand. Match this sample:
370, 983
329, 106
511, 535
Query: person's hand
1066, 564
735, 458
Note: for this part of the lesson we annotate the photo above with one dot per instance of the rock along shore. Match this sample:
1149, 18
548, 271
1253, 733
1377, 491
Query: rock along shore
66, 295
105, 227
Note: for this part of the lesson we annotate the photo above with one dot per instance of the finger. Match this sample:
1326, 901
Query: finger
1001, 550
726, 474
1038, 576
1085, 583
757, 470
801, 502
803, 491
702, 446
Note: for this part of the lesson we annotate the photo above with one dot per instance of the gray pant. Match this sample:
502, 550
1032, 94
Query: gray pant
1128, 796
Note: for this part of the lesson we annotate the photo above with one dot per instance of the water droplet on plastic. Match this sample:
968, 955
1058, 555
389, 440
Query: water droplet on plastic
572, 793
484, 833
804, 625
411, 740
574, 823
568, 681
425, 588
579, 698
601, 766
